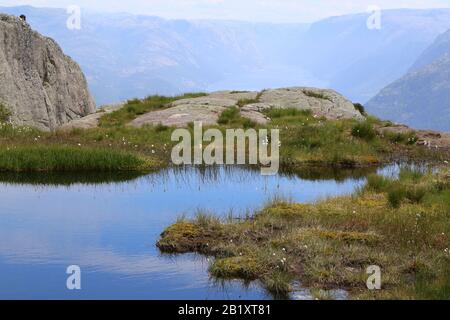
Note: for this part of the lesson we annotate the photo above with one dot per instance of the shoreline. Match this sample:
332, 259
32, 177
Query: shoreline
287, 242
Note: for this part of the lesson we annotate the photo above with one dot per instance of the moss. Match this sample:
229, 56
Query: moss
245, 267
182, 237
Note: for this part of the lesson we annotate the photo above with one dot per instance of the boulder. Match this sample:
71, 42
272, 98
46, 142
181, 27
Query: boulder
40, 85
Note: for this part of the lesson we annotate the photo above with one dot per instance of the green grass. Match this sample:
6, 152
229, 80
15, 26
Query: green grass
364, 130
232, 117
57, 158
5, 113
308, 139
243, 102
403, 138
329, 244
317, 95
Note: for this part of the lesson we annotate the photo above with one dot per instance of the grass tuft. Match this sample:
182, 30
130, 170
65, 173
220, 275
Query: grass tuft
364, 130
60, 158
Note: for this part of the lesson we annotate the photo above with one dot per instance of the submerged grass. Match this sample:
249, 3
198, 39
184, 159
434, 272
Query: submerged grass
330, 244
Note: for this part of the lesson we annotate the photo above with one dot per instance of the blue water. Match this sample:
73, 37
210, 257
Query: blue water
110, 229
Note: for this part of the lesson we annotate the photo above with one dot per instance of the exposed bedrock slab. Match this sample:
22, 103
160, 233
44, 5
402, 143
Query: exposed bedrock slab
322, 102
181, 116
207, 109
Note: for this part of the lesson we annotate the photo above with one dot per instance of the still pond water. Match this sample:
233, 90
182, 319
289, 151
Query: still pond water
108, 225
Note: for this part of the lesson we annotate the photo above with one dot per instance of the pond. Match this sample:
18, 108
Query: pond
109, 224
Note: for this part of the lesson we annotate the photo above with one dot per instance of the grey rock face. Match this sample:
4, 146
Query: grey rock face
40, 85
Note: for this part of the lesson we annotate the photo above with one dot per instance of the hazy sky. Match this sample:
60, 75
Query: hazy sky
250, 10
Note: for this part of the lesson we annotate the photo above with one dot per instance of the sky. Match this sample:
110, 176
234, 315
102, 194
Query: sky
284, 11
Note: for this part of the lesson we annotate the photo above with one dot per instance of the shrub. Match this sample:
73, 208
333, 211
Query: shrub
229, 115
360, 108
364, 130
247, 123
160, 127
5, 114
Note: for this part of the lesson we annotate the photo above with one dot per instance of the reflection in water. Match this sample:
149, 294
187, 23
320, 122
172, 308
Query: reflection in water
108, 225
67, 179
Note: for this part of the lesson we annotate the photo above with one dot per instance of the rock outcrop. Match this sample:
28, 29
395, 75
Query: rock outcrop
323, 103
427, 138
39, 84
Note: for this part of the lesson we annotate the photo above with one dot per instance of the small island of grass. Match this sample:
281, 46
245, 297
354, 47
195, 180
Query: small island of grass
401, 225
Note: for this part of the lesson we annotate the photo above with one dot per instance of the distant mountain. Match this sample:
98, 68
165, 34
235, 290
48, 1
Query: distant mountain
126, 56
421, 98
359, 62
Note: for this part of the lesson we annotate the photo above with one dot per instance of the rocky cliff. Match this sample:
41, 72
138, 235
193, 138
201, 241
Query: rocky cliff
39, 84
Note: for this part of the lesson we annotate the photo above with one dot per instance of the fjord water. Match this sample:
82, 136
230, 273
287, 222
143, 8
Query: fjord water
108, 225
